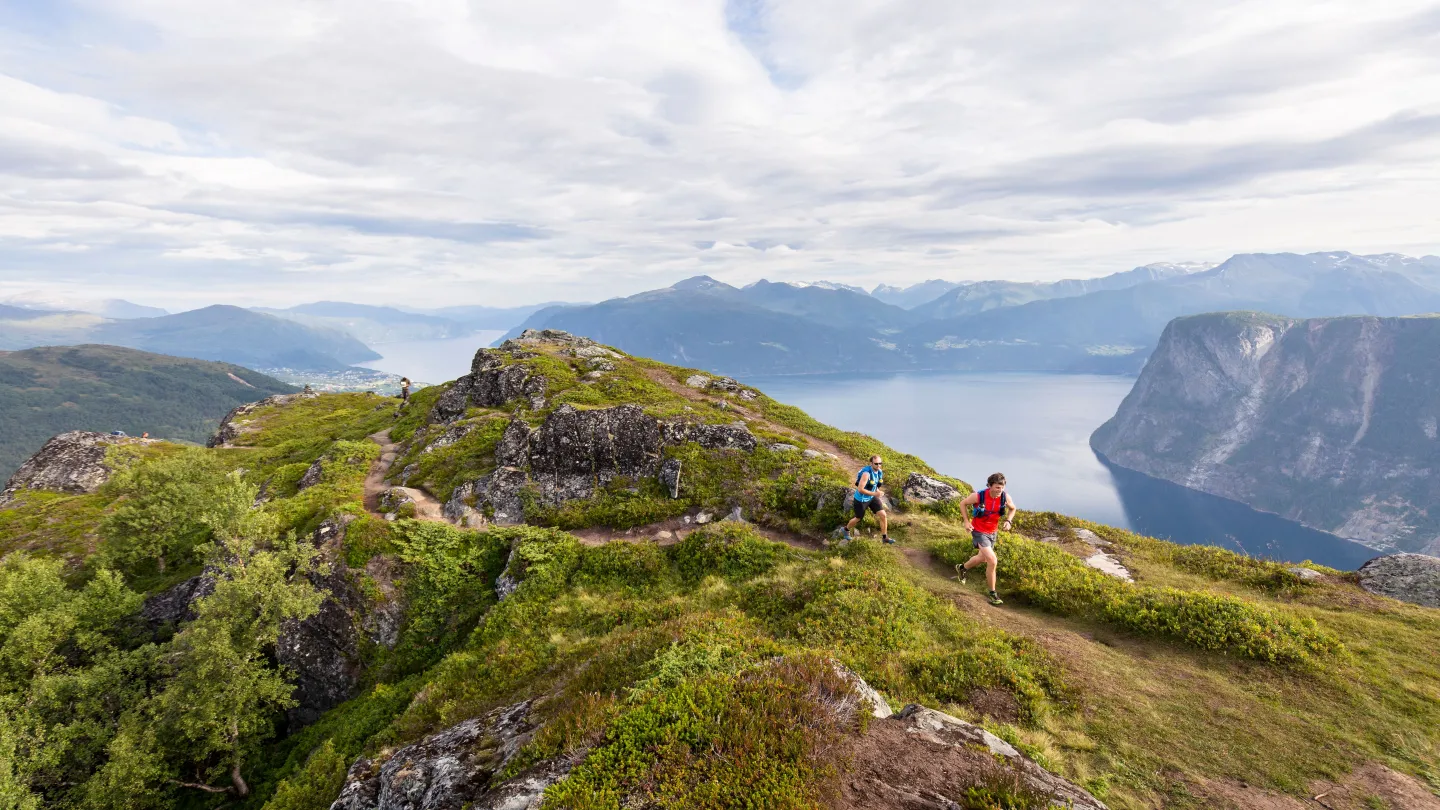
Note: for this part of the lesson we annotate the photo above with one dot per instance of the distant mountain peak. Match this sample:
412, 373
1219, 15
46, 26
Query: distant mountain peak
700, 283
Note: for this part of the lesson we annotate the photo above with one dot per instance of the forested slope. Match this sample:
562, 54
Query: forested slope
52, 389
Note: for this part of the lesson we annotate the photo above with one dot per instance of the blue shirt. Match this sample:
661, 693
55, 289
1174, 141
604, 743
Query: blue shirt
877, 477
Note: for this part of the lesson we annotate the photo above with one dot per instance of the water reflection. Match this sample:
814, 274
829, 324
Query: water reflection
1161, 509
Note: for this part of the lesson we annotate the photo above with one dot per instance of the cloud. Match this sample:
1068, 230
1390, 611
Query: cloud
407, 151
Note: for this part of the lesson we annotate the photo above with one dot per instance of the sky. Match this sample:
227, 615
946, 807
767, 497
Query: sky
440, 152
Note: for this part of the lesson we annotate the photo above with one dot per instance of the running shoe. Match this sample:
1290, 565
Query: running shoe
995, 599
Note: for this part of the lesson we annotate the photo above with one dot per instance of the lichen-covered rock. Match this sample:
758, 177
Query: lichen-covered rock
670, 476
513, 450
921, 488
734, 436
452, 434
873, 702
312, 476
72, 462
492, 382
176, 604
1411, 578
452, 770
323, 651
952, 731
697, 381
393, 498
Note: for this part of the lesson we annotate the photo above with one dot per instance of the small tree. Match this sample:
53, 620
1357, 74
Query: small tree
221, 702
162, 518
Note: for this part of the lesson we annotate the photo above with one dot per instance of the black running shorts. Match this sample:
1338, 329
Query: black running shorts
873, 504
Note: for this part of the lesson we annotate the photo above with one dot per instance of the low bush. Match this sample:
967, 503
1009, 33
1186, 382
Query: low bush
734, 551
1048, 577
762, 737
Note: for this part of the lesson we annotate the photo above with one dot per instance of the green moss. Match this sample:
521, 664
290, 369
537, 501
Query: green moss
52, 523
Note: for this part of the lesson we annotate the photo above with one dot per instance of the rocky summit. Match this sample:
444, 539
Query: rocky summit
1330, 422
574, 578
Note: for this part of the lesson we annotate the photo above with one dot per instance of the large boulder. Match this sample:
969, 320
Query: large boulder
1408, 577
921, 488
72, 462
453, 769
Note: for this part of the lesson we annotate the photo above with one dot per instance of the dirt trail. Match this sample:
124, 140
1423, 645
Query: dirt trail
843, 459
670, 532
426, 506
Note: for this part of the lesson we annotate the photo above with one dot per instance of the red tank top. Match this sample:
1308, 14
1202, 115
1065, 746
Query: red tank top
991, 519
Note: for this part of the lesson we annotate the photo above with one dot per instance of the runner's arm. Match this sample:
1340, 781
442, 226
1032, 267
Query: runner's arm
965, 504
864, 487
1010, 511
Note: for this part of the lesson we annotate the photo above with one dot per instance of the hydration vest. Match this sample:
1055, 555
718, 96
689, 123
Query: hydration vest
877, 477
979, 510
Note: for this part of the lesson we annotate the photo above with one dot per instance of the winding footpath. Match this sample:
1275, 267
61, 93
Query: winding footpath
426, 505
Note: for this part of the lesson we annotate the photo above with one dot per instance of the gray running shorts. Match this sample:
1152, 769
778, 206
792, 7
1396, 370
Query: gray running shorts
982, 539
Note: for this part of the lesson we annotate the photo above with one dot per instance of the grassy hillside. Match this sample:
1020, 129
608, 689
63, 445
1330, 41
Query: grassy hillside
53, 389
673, 665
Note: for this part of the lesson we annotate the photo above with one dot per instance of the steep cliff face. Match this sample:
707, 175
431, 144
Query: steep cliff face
1327, 421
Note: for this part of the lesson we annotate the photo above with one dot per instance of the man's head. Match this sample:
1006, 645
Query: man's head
996, 482
876, 461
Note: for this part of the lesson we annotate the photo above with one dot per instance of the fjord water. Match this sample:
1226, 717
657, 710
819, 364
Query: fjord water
1036, 429
431, 361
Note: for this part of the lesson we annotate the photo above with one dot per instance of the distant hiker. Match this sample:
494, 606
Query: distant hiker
988, 507
145, 435
867, 496
404, 390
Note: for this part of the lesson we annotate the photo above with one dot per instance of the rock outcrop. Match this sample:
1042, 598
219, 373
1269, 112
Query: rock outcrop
1330, 422
1407, 577
922, 489
495, 379
453, 769
573, 453
176, 604
940, 729
72, 462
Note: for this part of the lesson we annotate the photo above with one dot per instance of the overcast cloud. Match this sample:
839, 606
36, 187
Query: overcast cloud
436, 152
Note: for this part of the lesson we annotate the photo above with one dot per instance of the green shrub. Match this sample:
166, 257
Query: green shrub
731, 550
449, 584
316, 785
637, 567
1048, 577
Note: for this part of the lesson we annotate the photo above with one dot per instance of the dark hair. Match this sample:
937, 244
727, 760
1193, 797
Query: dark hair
995, 478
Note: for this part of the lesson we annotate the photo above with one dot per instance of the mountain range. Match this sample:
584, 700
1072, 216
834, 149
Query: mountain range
1104, 325
222, 333
380, 324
